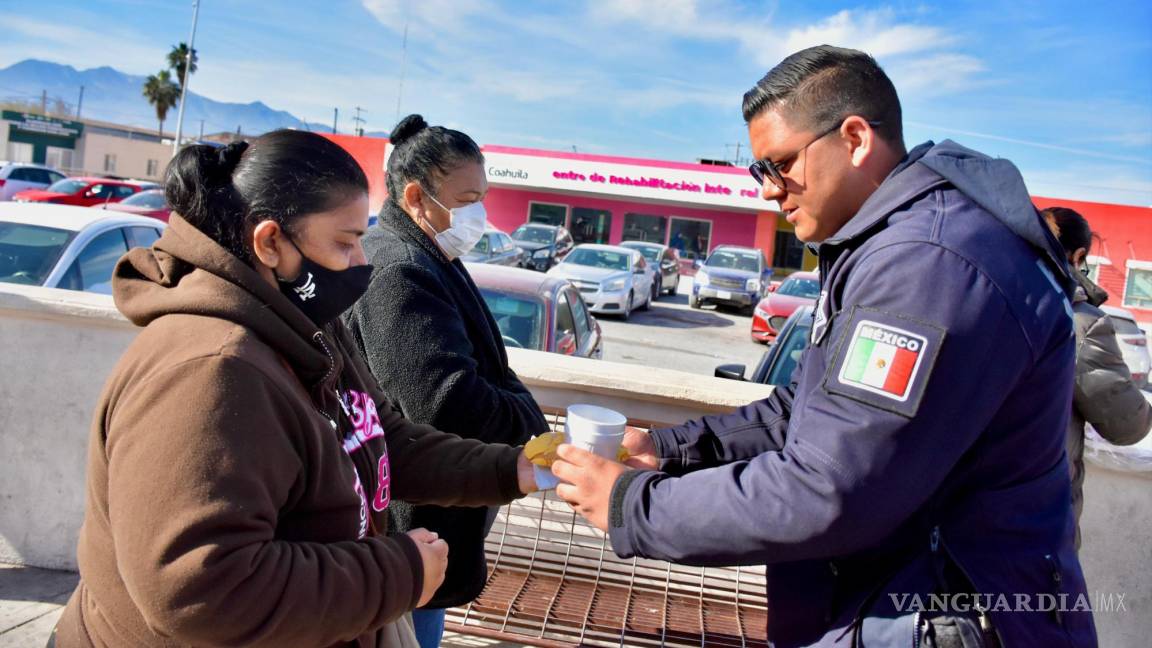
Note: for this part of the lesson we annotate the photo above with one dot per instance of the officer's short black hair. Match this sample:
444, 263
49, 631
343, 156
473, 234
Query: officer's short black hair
819, 86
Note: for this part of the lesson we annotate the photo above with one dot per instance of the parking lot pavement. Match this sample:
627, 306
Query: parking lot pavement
670, 335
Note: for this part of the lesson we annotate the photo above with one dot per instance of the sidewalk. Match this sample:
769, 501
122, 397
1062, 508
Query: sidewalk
32, 599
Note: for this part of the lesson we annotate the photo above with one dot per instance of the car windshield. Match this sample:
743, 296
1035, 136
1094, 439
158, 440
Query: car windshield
794, 287
728, 259
147, 199
650, 252
533, 234
29, 252
599, 259
67, 186
517, 317
788, 351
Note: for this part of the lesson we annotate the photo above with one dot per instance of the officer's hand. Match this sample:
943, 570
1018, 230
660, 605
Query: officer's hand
641, 449
434, 555
586, 482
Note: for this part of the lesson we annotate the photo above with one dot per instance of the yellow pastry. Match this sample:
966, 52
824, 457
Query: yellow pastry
541, 450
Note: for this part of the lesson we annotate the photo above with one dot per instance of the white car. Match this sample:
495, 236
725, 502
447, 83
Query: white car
1133, 343
613, 280
19, 176
69, 247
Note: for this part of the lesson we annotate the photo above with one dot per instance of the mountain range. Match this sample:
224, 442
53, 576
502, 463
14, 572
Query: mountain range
114, 96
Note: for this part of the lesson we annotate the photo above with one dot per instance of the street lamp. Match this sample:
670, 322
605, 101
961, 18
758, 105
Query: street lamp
184, 81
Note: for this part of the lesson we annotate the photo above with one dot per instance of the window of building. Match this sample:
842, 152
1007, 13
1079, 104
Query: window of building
109, 163
693, 238
153, 168
645, 227
58, 158
591, 225
788, 252
548, 214
1138, 287
20, 152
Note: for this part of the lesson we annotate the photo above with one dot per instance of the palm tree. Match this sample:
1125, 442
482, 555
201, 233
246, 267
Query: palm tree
162, 93
178, 59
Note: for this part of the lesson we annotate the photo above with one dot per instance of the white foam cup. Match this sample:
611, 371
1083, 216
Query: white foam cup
596, 429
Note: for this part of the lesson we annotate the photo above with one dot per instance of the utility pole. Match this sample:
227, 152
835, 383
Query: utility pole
80, 102
359, 122
737, 161
403, 66
184, 81
43, 102
201, 130
335, 118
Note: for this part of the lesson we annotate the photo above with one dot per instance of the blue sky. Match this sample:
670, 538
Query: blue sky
1064, 89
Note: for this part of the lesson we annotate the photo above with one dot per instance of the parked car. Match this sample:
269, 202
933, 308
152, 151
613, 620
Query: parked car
799, 289
62, 246
146, 203
661, 257
610, 278
540, 312
731, 276
84, 192
497, 248
783, 354
544, 245
1133, 343
20, 176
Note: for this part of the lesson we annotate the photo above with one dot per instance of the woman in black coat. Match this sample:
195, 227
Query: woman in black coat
431, 341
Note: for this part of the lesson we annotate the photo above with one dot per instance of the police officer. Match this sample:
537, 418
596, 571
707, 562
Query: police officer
919, 450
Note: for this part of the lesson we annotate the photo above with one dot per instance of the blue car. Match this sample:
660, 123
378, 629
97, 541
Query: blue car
731, 276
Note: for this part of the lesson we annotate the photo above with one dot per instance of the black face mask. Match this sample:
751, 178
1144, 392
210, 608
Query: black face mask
324, 294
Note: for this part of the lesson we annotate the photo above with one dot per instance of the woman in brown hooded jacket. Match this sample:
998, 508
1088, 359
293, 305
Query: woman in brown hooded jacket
242, 458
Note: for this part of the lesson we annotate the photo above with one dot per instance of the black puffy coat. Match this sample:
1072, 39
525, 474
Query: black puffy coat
437, 353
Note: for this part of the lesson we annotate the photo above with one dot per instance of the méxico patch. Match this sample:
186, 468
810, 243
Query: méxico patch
884, 359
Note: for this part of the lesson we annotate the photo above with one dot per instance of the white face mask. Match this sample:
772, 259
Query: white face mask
466, 228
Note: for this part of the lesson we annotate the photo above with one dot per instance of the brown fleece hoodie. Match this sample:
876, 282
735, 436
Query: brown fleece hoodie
240, 466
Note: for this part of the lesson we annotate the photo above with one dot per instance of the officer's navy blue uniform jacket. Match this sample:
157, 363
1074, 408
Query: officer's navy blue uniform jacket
924, 430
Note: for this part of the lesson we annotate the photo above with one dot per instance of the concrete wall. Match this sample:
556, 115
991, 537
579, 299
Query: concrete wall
57, 348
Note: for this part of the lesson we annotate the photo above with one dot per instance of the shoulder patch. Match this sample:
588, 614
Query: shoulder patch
884, 360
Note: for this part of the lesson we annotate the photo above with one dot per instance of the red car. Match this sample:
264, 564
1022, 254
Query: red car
84, 192
799, 289
146, 203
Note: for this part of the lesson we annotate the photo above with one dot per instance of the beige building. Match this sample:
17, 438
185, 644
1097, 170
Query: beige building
84, 147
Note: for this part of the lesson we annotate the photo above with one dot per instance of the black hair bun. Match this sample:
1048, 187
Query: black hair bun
407, 128
228, 157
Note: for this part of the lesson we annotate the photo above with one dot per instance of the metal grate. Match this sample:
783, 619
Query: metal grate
727, 283
554, 581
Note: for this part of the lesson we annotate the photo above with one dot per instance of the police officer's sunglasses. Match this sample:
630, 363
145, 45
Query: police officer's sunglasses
761, 169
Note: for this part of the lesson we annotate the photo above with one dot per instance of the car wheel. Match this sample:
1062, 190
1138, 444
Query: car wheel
627, 308
658, 288
675, 286
748, 310
693, 302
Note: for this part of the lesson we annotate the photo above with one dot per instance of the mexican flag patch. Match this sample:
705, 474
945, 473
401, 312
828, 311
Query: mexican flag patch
883, 359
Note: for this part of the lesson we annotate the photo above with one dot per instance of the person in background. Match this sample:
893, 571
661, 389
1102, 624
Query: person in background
242, 460
1104, 393
430, 339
